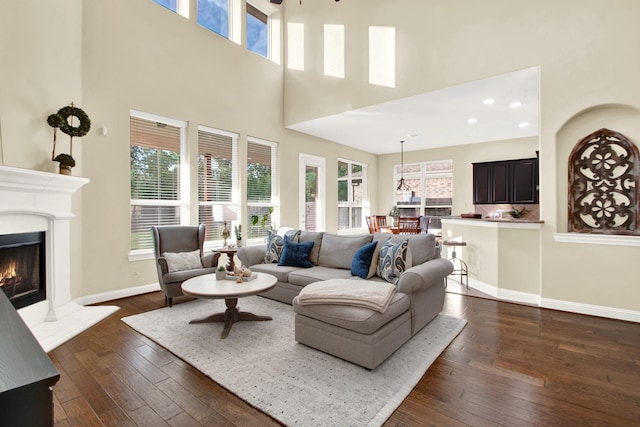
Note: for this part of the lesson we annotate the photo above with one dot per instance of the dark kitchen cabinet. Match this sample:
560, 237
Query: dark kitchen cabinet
507, 181
524, 181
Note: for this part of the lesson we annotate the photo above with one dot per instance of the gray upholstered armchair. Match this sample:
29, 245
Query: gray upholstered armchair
179, 256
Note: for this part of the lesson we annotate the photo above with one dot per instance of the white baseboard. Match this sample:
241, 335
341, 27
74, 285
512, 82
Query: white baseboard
117, 294
570, 306
592, 310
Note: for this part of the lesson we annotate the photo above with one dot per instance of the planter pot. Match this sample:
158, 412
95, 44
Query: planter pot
239, 243
220, 275
65, 170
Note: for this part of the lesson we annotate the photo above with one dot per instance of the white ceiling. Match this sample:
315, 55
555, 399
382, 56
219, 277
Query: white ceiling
438, 118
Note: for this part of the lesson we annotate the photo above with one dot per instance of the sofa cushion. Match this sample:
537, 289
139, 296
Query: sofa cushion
304, 276
316, 238
357, 319
422, 246
281, 272
182, 260
295, 254
275, 243
181, 276
338, 251
394, 259
361, 263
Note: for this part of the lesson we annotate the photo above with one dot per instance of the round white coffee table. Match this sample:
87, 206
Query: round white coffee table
206, 286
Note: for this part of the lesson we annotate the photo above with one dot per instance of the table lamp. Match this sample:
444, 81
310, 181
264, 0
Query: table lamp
225, 213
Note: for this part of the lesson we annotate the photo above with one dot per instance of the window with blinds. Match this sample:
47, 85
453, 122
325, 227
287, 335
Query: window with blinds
155, 177
216, 171
261, 157
351, 194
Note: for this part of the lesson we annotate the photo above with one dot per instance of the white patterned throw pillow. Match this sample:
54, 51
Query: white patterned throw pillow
275, 243
394, 259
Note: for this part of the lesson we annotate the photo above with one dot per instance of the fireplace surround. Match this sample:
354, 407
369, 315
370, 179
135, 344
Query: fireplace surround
41, 202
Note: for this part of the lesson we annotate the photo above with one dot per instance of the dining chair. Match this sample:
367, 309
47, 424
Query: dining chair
371, 223
409, 225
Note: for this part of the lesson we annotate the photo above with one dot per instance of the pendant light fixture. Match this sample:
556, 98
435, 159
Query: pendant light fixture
402, 186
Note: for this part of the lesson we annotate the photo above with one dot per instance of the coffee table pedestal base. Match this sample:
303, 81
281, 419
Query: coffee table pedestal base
231, 316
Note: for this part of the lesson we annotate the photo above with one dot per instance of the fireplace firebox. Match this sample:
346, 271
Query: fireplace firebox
22, 268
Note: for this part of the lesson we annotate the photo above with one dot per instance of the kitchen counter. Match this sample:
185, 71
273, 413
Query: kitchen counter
503, 255
494, 222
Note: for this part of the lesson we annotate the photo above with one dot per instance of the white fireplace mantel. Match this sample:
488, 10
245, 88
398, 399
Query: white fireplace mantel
42, 201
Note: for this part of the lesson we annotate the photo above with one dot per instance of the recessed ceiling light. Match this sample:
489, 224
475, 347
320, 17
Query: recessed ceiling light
515, 104
523, 124
488, 101
472, 120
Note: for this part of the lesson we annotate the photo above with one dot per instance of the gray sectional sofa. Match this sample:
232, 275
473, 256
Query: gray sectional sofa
363, 336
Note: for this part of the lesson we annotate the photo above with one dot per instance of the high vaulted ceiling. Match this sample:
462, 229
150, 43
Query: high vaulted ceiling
439, 118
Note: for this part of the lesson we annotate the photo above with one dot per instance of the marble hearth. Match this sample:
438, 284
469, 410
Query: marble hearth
40, 201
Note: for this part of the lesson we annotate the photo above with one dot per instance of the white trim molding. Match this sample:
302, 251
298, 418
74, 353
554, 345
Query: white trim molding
592, 310
597, 239
553, 304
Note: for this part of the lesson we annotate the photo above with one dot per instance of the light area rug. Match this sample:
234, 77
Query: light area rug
261, 363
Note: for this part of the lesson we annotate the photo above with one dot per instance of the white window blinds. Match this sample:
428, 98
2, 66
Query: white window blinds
155, 178
260, 199
216, 172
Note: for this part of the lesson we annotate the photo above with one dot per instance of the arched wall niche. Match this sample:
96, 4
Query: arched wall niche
622, 119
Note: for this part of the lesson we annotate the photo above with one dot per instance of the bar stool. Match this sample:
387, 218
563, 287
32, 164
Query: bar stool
463, 271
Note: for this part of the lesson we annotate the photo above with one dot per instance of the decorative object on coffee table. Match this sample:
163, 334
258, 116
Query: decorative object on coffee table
221, 274
208, 286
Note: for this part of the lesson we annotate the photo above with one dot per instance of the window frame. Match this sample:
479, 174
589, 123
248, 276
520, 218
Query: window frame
350, 204
275, 201
235, 191
423, 175
182, 7
183, 179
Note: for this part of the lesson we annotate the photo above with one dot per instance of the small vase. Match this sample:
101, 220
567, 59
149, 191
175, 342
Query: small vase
239, 243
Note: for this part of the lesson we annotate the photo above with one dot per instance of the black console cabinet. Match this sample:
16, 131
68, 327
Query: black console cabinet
26, 373
507, 181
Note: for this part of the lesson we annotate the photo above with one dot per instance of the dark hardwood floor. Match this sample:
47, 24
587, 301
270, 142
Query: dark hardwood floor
512, 365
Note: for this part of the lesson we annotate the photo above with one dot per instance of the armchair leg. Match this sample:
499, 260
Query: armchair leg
170, 302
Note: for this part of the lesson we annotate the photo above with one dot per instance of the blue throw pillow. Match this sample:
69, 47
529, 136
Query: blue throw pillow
362, 260
296, 254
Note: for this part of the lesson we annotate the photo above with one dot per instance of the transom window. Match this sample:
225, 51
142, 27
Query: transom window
214, 15
352, 190
257, 31
181, 7
430, 190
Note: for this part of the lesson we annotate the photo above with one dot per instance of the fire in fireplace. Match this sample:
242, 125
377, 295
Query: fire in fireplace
22, 268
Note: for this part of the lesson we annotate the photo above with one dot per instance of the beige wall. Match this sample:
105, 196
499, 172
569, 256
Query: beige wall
112, 56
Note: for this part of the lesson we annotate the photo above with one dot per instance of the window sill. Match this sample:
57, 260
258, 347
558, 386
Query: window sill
141, 255
596, 239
